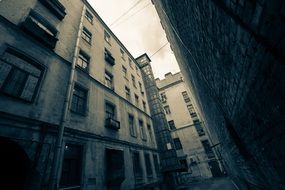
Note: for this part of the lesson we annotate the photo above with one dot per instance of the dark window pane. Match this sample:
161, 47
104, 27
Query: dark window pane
15, 82
71, 168
177, 144
79, 99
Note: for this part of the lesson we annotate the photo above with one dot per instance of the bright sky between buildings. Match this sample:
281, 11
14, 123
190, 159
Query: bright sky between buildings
137, 25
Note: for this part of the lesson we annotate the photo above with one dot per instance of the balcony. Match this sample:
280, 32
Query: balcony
55, 7
32, 28
109, 58
112, 123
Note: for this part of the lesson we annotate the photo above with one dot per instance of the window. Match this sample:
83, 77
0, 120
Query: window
156, 164
198, 127
208, 149
137, 70
19, 75
134, 81
130, 63
79, 100
109, 80
115, 168
71, 166
110, 117
144, 105
109, 58
128, 94
138, 172
142, 131
89, 16
150, 132
148, 165
133, 130
163, 97
125, 74
184, 163
167, 109
171, 125
137, 100
86, 35
141, 89
110, 111
40, 29
83, 60
185, 97
107, 37
122, 54
190, 109
177, 144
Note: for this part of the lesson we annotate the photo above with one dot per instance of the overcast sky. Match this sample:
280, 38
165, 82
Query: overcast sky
139, 30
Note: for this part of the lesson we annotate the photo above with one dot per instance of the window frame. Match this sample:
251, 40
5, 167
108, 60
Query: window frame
177, 144
86, 35
123, 54
134, 81
171, 127
167, 109
85, 91
80, 163
30, 60
125, 72
89, 16
148, 165
128, 94
142, 129
137, 100
84, 58
114, 109
108, 78
107, 37
132, 128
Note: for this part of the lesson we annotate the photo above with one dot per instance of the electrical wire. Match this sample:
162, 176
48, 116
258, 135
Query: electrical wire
158, 50
127, 11
138, 11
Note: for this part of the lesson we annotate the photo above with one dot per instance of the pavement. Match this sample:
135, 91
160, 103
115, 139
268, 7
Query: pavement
211, 184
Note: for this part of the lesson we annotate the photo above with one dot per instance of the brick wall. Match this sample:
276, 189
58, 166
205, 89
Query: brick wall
232, 54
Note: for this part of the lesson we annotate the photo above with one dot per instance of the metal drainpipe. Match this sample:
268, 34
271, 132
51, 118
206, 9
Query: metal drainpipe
57, 157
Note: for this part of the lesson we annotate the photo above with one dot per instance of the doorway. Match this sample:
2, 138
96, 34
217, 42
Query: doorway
14, 164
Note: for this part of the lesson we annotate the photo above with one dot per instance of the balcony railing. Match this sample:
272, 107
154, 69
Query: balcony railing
112, 123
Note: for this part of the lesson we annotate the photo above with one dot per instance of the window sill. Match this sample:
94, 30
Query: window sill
16, 97
78, 113
82, 69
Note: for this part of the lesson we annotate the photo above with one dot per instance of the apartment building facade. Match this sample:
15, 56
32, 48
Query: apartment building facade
191, 140
72, 101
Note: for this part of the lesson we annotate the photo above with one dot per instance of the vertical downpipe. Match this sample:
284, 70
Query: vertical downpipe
54, 185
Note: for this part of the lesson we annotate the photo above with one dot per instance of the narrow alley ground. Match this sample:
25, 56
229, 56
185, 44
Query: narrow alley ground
212, 184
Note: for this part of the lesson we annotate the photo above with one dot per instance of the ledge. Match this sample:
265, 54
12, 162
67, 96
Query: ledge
55, 7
